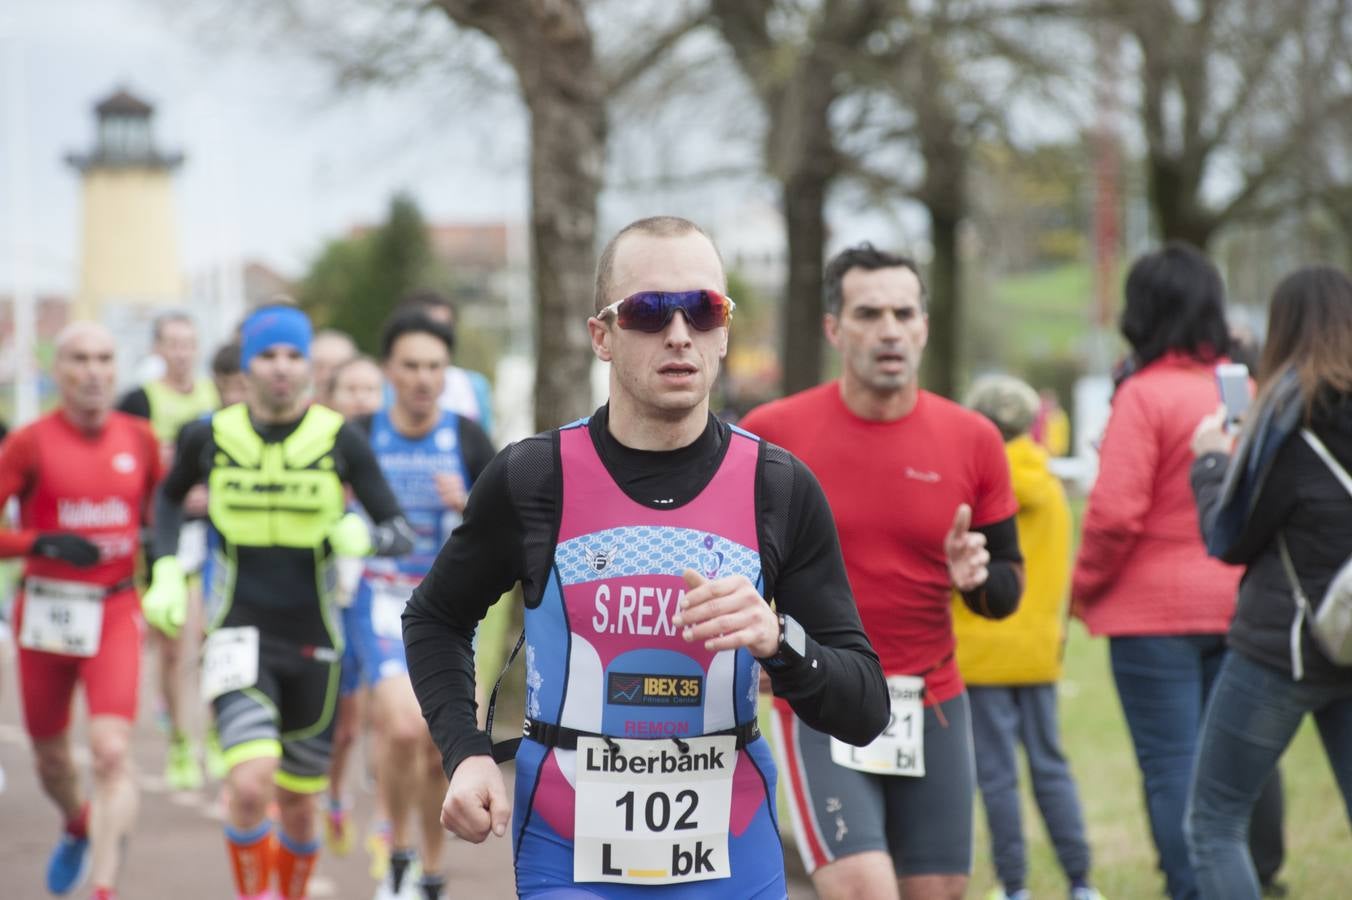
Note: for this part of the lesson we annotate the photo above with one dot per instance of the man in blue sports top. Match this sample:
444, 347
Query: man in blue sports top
647, 540
466, 391
430, 457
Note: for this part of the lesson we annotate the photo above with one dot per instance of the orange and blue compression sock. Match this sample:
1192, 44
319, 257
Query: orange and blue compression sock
251, 852
295, 861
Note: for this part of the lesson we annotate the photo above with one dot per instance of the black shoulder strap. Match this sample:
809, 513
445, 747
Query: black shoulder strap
503, 750
774, 493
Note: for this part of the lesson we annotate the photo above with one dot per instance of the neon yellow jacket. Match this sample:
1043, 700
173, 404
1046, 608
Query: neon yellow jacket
1026, 647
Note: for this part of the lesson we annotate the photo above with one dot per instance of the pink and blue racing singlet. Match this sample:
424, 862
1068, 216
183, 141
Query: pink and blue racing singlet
616, 699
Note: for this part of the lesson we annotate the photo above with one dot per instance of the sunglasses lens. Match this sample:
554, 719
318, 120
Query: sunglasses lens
642, 312
706, 309
650, 311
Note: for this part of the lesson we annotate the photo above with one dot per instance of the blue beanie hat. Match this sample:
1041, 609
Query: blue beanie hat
273, 325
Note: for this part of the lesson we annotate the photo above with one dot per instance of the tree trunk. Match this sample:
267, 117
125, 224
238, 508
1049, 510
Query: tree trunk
567, 157
801, 153
1173, 200
944, 193
801, 341
942, 353
550, 47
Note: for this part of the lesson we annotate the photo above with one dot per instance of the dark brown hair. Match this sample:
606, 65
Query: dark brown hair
1310, 331
869, 258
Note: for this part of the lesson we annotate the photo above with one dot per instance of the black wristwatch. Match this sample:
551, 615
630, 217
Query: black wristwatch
792, 644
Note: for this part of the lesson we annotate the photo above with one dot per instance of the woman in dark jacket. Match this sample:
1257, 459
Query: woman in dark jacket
1274, 487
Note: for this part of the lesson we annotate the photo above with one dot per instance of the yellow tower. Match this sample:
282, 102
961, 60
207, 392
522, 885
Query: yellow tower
129, 263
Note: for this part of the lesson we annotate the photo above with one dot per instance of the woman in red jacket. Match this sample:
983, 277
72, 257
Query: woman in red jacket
1142, 576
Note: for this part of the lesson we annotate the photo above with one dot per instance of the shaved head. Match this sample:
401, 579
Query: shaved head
654, 226
85, 371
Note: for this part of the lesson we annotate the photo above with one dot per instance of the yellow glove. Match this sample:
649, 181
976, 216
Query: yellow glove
350, 536
165, 602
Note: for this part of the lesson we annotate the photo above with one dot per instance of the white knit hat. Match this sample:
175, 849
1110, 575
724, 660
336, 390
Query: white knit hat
1008, 402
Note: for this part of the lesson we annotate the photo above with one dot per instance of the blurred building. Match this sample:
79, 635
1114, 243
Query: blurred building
129, 262
129, 237
476, 258
222, 294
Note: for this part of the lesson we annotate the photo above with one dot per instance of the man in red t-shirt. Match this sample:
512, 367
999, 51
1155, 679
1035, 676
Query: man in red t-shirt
920, 491
83, 475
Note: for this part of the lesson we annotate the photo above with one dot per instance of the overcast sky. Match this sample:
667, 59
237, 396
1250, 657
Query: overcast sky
275, 162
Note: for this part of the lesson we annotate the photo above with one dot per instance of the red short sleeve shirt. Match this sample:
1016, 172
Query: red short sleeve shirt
893, 489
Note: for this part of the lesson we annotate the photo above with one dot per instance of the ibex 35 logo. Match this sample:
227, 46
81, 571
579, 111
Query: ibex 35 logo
642, 689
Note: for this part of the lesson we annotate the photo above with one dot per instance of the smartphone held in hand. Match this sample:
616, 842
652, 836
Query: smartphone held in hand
1232, 381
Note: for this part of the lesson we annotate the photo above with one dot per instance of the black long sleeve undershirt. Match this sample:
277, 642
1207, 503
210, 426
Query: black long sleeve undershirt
508, 535
999, 596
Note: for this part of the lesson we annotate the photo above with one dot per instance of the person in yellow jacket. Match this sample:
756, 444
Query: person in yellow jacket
1011, 666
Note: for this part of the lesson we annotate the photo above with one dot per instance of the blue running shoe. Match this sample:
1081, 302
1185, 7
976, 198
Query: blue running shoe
69, 865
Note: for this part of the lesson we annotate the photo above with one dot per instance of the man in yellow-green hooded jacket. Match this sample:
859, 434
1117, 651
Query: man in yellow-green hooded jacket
276, 468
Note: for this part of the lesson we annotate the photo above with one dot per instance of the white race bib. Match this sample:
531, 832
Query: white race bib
648, 813
229, 661
388, 599
900, 749
64, 617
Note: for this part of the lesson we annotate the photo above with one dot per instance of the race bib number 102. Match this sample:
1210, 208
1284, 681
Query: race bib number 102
649, 813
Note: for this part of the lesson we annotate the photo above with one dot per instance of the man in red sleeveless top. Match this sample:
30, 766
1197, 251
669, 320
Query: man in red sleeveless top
83, 475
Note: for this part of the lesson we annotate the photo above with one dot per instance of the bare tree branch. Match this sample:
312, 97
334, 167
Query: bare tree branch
1253, 72
629, 70
1273, 164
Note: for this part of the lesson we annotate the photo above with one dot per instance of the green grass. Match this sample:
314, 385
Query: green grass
1046, 312
1096, 742
1067, 289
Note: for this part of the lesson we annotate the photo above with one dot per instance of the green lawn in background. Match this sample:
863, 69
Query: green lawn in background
1047, 312
1063, 289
